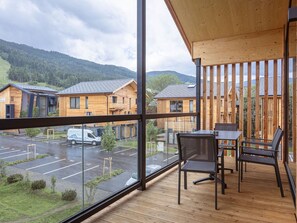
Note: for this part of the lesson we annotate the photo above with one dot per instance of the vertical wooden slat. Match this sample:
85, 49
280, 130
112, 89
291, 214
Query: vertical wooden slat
211, 98
294, 110
225, 94
275, 79
204, 97
241, 100
257, 107
249, 100
265, 124
219, 94
233, 94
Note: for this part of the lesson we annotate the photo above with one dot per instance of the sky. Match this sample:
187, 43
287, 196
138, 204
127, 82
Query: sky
102, 31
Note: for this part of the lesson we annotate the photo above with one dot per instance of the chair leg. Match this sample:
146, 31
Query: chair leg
178, 192
245, 166
239, 177
279, 180
223, 175
216, 191
241, 169
276, 175
185, 180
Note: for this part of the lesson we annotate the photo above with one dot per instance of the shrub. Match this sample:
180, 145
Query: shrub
53, 181
38, 185
14, 178
69, 195
2, 168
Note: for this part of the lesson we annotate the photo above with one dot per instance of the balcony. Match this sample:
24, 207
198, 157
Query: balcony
259, 200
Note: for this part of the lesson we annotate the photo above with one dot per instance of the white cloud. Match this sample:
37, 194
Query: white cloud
103, 31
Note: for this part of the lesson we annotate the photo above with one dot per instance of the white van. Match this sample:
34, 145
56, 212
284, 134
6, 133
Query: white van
74, 135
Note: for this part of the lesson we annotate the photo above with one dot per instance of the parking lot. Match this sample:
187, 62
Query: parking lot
69, 163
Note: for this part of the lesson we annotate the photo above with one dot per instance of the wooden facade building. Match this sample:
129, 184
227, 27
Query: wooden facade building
108, 97
18, 100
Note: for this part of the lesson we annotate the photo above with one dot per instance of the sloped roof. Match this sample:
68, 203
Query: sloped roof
35, 88
187, 91
97, 87
30, 88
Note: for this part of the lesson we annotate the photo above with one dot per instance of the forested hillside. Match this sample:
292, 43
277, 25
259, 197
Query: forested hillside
34, 65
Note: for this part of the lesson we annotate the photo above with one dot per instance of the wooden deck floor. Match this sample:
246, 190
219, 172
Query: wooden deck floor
259, 200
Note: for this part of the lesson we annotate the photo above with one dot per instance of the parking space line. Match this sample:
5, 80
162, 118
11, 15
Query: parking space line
14, 151
123, 150
133, 154
169, 158
16, 155
100, 150
79, 172
61, 168
4, 148
45, 164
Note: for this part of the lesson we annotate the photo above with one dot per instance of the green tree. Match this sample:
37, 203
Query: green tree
160, 82
32, 132
151, 132
108, 138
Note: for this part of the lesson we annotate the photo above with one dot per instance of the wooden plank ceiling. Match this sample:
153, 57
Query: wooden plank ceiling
237, 27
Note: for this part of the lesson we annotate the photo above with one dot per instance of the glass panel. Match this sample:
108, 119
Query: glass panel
292, 100
166, 70
62, 170
161, 141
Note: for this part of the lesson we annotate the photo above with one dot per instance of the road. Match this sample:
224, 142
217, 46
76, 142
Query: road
67, 162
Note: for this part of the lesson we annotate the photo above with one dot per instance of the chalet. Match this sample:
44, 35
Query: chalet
18, 100
181, 98
108, 97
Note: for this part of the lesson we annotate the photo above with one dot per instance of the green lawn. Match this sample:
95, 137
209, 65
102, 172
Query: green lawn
18, 202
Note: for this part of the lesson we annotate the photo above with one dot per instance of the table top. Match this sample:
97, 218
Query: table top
222, 135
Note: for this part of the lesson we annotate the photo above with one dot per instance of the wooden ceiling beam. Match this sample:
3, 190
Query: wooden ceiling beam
258, 46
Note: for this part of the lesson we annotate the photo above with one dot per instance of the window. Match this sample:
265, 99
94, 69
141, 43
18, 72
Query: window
123, 100
12, 99
87, 103
176, 106
88, 113
191, 105
114, 99
129, 103
91, 136
74, 102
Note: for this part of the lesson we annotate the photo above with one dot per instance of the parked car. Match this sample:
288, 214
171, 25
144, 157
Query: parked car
74, 135
149, 169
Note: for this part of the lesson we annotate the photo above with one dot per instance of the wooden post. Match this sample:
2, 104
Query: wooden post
218, 93
204, 98
294, 110
275, 94
249, 100
211, 98
233, 115
257, 107
265, 124
225, 94
241, 100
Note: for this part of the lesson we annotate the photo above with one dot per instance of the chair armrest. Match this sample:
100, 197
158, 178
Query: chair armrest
247, 147
258, 139
256, 143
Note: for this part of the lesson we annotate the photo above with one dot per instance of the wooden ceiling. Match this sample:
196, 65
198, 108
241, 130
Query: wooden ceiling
201, 21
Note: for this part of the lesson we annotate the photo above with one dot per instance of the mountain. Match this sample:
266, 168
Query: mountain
183, 78
29, 64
